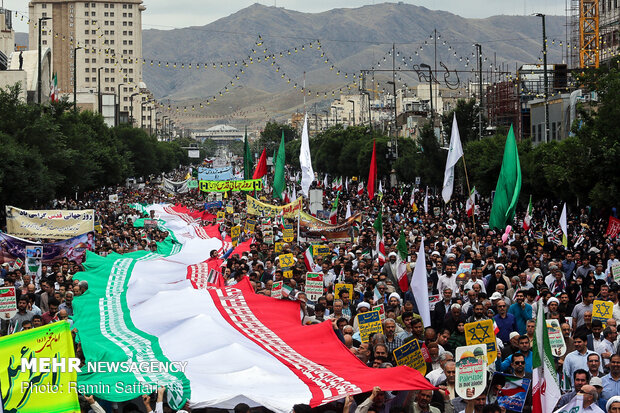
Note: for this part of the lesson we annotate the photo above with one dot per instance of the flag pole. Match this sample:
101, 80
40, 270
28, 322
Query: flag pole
473, 214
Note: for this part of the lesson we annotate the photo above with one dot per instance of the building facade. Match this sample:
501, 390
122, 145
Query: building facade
106, 37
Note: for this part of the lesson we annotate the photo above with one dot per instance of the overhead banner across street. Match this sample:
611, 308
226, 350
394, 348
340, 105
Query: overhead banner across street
59, 224
227, 331
223, 186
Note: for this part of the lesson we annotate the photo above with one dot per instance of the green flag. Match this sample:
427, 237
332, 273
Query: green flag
402, 246
278, 179
248, 165
508, 186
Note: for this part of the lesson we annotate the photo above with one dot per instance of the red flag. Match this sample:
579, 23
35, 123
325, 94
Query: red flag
261, 168
613, 228
372, 174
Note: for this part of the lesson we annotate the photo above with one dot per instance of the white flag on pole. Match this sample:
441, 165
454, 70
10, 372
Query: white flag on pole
419, 286
307, 173
426, 201
348, 215
454, 154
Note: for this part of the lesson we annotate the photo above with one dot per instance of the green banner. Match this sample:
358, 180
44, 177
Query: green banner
223, 186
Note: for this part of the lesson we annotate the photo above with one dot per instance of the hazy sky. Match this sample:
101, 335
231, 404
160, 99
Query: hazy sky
163, 14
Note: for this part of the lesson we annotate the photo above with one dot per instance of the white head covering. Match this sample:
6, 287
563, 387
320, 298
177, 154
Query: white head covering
611, 401
363, 304
395, 294
553, 300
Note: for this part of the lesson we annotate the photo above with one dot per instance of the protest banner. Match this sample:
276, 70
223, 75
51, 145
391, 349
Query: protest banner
575, 405
192, 184
512, 393
175, 188
213, 204
312, 229
556, 339
224, 186
381, 309
235, 232
268, 236
24, 391
113, 198
471, 370
615, 272
250, 225
256, 207
59, 224
410, 354
276, 289
482, 332
602, 310
464, 272
236, 219
230, 209
8, 302
150, 223
287, 262
314, 286
215, 174
288, 233
221, 216
320, 250
34, 258
613, 227
369, 323
340, 286
13, 249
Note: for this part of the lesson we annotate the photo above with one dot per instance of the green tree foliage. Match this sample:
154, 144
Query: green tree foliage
51, 152
270, 137
467, 117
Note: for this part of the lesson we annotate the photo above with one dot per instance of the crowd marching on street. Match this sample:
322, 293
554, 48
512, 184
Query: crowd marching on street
511, 278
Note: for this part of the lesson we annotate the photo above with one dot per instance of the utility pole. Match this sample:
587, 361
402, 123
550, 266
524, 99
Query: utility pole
479, 53
75, 49
394, 87
39, 83
546, 79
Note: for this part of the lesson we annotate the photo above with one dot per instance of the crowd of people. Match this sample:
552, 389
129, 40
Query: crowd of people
509, 281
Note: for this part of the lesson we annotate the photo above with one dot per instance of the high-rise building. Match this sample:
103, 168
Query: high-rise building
107, 39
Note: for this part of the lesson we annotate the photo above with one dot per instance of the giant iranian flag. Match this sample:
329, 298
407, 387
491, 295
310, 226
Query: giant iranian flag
165, 307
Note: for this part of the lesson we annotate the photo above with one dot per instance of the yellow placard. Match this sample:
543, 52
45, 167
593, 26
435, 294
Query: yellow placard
369, 323
30, 390
224, 186
278, 247
348, 287
480, 332
322, 250
45, 223
602, 310
221, 215
410, 354
230, 210
250, 225
286, 260
288, 233
235, 232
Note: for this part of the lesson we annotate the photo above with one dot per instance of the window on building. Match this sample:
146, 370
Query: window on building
86, 41
124, 23
86, 31
87, 60
93, 32
43, 41
130, 32
92, 4
129, 6
130, 70
130, 51
94, 79
87, 79
112, 70
87, 70
124, 14
111, 14
111, 22
111, 6
112, 41
131, 80
131, 14
106, 14
124, 6
44, 14
111, 32
86, 4
124, 42
131, 42
124, 32
44, 6
86, 22
92, 13
105, 5
131, 23
86, 50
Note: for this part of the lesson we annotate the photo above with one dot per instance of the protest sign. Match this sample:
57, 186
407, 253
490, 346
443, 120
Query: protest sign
213, 204
256, 207
410, 354
192, 184
615, 273
34, 260
276, 289
150, 223
471, 371
8, 303
221, 216
58, 224
24, 390
288, 233
235, 232
215, 174
602, 310
314, 286
556, 339
113, 198
174, 188
287, 262
230, 209
512, 394
236, 219
339, 287
369, 323
320, 250
482, 332
279, 246
268, 236
224, 186
432, 300
312, 229
250, 225
381, 310
13, 249
464, 272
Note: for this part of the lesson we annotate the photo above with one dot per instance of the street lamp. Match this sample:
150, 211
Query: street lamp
163, 125
430, 85
142, 113
479, 51
99, 89
352, 101
544, 33
75, 49
39, 83
131, 108
118, 106
326, 118
151, 119
395, 115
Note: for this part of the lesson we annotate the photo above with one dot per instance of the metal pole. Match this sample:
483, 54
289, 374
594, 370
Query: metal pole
75, 49
479, 53
151, 120
118, 107
39, 83
99, 89
394, 87
369, 114
546, 78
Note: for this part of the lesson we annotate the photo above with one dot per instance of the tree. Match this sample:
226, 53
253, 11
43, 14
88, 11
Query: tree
272, 134
467, 118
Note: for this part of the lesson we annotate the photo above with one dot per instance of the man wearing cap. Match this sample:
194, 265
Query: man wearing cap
598, 385
590, 399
